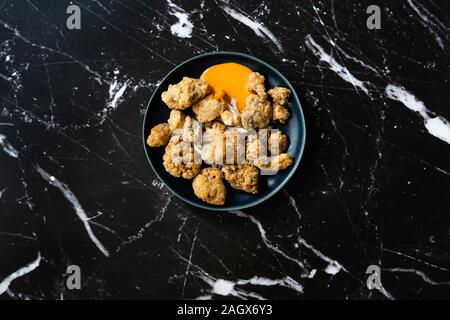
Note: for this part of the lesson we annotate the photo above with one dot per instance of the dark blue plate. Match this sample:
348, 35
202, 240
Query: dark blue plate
158, 112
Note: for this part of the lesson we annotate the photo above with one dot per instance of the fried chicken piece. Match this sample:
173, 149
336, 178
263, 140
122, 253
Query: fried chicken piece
278, 143
242, 177
220, 147
213, 147
208, 108
257, 112
209, 187
182, 95
176, 119
280, 113
192, 130
274, 163
256, 83
280, 95
230, 119
159, 135
256, 146
234, 146
179, 159
215, 125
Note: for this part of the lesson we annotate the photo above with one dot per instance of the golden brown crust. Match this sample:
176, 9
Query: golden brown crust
280, 95
253, 148
213, 149
242, 177
278, 143
257, 112
208, 108
280, 114
182, 95
209, 187
178, 159
234, 142
275, 163
159, 135
256, 83
176, 119
215, 125
192, 130
230, 119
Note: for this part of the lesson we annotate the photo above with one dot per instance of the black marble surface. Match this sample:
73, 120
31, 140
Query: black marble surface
372, 187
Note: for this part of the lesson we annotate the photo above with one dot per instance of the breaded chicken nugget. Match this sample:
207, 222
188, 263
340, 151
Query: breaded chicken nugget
278, 143
182, 95
280, 95
176, 119
159, 135
179, 159
256, 83
209, 187
208, 108
257, 112
242, 177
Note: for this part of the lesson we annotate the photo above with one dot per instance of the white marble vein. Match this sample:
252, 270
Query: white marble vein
116, 92
419, 273
189, 263
183, 27
266, 241
4, 284
18, 35
258, 27
340, 70
7, 147
68, 194
333, 266
226, 287
436, 125
429, 21
287, 282
293, 203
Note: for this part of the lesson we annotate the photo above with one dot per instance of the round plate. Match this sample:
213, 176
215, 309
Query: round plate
158, 112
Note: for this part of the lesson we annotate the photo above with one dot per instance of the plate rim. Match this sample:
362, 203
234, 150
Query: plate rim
272, 192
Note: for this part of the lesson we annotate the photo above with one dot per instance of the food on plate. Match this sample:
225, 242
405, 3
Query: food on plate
159, 135
254, 148
278, 143
213, 148
234, 141
209, 187
209, 108
228, 81
274, 163
242, 177
182, 95
179, 159
280, 114
257, 112
176, 119
230, 119
256, 83
192, 130
220, 131
280, 95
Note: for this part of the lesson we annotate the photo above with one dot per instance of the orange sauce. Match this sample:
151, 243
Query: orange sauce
228, 80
